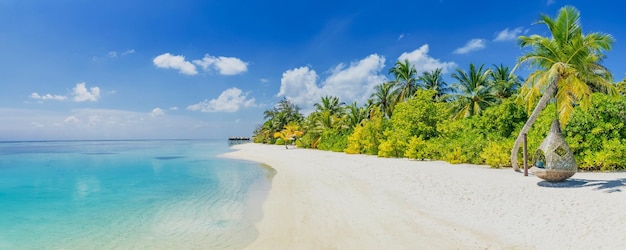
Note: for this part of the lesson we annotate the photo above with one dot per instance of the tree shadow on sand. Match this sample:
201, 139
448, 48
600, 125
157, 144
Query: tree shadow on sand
607, 186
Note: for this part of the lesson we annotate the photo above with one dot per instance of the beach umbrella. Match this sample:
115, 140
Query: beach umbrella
554, 160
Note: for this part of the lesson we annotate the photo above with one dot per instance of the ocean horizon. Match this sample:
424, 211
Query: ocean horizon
128, 194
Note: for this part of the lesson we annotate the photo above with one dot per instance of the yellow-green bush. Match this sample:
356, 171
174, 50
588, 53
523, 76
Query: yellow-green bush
456, 156
611, 157
497, 154
354, 141
386, 149
279, 141
416, 149
367, 136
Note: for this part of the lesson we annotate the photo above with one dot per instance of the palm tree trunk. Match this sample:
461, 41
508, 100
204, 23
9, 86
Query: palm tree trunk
550, 91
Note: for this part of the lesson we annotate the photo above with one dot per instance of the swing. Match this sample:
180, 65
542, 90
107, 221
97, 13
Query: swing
553, 161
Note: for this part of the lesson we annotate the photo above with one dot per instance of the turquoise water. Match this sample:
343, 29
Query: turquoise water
127, 195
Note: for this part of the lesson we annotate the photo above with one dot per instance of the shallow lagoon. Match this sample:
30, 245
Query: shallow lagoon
127, 194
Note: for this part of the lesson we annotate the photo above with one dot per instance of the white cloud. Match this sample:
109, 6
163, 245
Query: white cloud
300, 86
81, 93
128, 52
400, 37
507, 34
174, 108
550, 2
48, 97
224, 65
353, 83
264, 80
157, 112
230, 100
423, 62
169, 61
471, 45
71, 119
115, 54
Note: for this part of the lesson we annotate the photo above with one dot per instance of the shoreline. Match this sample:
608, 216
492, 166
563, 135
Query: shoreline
326, 200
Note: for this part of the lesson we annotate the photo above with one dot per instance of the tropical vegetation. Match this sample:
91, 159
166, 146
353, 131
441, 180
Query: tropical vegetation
481, 113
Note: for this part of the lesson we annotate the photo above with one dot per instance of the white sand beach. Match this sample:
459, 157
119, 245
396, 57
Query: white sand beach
326, 200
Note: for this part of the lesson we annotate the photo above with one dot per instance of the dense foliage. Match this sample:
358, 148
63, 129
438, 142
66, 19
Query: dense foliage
477, 118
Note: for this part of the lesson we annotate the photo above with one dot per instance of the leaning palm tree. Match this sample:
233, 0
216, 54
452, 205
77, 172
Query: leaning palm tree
472, 92
566, 64
505, 84
383, 97
433, 80
404, 78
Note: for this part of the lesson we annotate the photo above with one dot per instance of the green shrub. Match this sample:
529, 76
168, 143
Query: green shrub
611, 157
497, 154
589, 133
333, 141
366, 137
455, 156
461, 141
306, 141
279, 141
386, 149
417, 149
354, 141
418, 116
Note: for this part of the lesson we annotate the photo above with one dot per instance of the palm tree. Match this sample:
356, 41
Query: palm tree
290, 132
567, 65
330, 104
472, 92
505, 84
355, 115
325, 120
383, 97
405, 81
433, 80
276, 118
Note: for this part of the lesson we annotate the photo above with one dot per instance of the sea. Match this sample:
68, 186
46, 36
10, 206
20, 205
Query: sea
146, 194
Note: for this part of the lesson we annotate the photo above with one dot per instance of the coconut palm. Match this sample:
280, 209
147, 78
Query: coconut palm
433, 80
404, 78
383, 97
567, 65
330, 104
355, 115
290, 132
505, 84
472, 92
325, 120
276, 118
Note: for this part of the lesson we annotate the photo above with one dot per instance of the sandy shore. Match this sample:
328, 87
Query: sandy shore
326, 200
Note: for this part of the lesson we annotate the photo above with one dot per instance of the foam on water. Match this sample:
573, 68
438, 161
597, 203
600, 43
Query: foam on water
127, 195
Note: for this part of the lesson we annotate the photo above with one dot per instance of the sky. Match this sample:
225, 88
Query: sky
186, 69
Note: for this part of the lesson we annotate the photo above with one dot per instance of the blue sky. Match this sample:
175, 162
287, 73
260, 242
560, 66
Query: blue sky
208, 69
